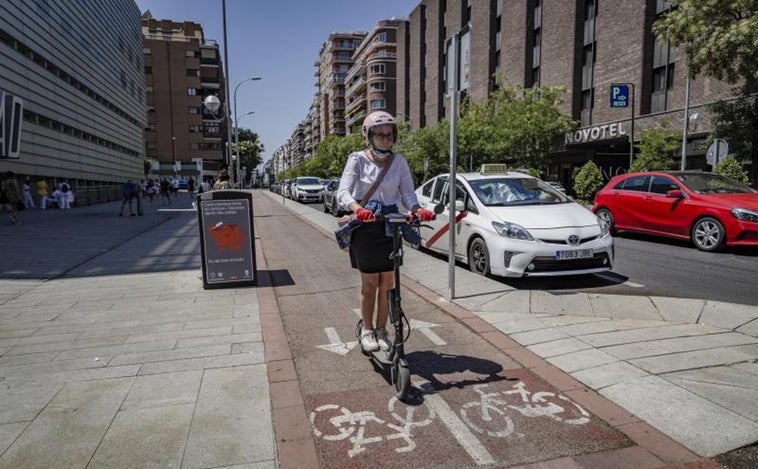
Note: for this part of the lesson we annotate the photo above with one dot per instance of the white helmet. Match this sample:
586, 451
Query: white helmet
378, 118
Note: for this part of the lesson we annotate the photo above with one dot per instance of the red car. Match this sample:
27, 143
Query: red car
712, 210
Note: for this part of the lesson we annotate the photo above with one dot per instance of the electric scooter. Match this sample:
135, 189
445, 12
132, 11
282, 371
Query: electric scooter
394, 358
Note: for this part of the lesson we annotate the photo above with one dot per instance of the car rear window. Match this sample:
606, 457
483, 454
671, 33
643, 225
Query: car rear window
661, 185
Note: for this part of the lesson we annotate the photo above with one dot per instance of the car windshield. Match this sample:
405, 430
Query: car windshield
709, 183
504, 192
308, 181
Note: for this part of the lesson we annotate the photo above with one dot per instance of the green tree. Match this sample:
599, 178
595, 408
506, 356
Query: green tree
250, 150
720, 39
654, 152
588, 181
732, 168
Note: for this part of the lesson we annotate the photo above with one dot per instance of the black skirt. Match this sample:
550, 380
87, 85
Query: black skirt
370, 248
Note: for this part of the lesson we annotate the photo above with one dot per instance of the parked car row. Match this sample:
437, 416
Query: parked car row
303, 189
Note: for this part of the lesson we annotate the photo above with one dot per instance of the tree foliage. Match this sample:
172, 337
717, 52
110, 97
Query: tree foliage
655, 150
250, 151
732, 168
720, 40
588, 181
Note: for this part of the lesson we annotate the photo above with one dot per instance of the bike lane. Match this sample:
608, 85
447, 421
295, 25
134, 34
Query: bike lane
471, 404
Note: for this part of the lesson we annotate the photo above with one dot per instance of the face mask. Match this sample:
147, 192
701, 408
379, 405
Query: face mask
380, 155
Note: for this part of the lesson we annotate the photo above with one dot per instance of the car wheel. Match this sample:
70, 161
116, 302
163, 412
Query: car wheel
479, 257
606, 215
708, 234
335, 211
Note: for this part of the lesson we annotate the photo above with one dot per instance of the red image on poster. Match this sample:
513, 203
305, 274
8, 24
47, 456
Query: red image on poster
227, 236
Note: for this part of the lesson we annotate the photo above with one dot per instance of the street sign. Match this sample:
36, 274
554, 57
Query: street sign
717, 151
619, 95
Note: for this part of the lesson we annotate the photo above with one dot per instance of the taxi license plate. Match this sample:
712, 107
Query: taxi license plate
573, 254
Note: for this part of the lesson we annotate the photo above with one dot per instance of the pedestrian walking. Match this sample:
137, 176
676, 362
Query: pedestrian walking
378, 174
191, 188
42, 193
165, 188
65, 198
10, 196
128, 193
26, 194
222, 183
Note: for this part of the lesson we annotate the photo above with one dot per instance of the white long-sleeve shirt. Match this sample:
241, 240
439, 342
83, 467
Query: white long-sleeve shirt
360, 173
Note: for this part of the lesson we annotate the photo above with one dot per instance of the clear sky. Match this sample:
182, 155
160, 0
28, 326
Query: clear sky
278, 41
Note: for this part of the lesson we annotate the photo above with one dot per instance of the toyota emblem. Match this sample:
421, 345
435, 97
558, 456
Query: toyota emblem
573, 240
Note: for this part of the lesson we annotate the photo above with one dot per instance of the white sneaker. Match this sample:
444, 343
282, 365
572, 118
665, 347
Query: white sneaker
368, 341
382, 340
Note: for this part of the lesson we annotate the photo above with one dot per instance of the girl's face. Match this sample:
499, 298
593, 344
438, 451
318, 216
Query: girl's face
383, 137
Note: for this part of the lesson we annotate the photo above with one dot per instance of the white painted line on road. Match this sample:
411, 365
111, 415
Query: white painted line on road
177, 210
457, 427
335, 343
421, 326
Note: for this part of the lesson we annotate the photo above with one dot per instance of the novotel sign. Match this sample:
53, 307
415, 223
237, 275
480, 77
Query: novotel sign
598, 132
11, 114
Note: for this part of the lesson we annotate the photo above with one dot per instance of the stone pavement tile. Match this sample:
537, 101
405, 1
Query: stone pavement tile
657, 443
530, 323
167, 389
517, 302
68, 345
624, 306
38, 339
9, 432
6, 332
145, 437
723, 385
633, 457
221, 361
285, 394
246, 347
751, 368
19, 403
75, 376
562, 463
539, 336
56, 366
84, 410
220, 339
129, 328
678, 309
727, 315
297, 454
139, 347
608, 374
723, 339
559, 347
581, 360
184, 334
474, 301
556, 377
281, 370
503, 316
42, 357
573, 304
231, 425
680, 414
477, 325
750, 328
594, 327
697, 359
168, 355
635, 350
644, 334
525, 357
499, 340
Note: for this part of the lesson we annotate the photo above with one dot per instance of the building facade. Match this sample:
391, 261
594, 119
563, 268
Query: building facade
182, 137
583, 45
371, 81
77, 68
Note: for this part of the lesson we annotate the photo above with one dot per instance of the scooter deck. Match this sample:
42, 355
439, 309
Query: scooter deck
380, 356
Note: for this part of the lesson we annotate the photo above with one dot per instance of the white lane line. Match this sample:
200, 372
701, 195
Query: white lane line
457, 427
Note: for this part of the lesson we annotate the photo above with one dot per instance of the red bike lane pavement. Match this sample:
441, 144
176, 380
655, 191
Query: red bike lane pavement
478, 399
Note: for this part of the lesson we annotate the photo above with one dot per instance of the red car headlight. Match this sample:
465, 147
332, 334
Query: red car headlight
745, 214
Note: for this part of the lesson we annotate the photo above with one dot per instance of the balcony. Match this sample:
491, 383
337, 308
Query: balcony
356, 86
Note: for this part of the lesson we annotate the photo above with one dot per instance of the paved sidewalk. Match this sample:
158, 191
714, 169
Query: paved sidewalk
120, 358
687, 367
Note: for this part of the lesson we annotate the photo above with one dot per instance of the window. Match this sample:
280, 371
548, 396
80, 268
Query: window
148, 70
381, 37
190, 54
377, 70
637, 183
661, 185
663, 78
426, 190
146, 51
378, 103
191, 91
439, 189
193, 110
191, 72
378, 86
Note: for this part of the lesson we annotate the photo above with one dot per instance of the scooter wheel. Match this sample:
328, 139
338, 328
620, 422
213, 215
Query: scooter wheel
402, 382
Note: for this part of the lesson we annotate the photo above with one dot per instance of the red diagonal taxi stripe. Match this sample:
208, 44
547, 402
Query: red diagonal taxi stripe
433, 239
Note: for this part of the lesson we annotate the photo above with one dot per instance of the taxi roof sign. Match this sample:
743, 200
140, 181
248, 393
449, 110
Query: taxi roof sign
493, 168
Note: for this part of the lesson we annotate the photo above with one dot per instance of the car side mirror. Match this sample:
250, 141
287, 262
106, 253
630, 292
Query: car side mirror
675, 194
439, 208
460, 206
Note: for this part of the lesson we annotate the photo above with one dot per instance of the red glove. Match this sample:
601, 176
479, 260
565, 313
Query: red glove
424, 214
364, 215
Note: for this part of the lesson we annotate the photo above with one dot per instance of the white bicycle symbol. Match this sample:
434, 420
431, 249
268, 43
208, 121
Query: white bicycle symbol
340, 423
490, 413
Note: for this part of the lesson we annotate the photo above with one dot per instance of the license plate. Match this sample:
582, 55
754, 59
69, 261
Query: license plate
573, 254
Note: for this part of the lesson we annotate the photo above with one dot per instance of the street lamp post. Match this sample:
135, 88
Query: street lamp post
237, 139
236, 129
173, 153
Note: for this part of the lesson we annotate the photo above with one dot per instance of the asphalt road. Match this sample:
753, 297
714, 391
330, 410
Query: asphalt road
647, 265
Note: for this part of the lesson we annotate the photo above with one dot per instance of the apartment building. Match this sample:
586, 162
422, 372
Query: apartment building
333, 64
74, 70
370, 82
583, 45
182, 137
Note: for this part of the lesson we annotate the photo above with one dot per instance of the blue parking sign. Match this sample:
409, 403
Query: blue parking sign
619, 95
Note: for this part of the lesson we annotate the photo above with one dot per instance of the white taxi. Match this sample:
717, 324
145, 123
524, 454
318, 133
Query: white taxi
511, 224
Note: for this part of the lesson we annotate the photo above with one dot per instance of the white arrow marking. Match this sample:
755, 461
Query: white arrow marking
421, 326
335, 344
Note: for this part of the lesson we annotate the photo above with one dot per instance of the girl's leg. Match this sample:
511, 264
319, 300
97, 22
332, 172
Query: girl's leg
369, 285
386, 282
